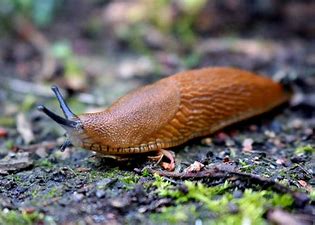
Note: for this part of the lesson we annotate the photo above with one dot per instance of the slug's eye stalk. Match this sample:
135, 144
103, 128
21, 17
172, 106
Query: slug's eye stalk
66, 145
63, 105
58, 119
71, 123
71, 119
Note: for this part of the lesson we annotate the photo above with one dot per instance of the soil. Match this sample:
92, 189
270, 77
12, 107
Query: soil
273, 151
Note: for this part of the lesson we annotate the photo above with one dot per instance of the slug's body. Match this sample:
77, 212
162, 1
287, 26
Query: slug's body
176, 109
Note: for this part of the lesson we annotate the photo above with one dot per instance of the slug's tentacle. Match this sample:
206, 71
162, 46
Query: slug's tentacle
63, 105
66, 144
58, 119
71, 123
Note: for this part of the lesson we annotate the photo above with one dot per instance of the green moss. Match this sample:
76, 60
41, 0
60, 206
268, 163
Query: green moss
308, 149
7, 121
284, 201
248, 168
145, 173
17, 179
126, 177
95, 175
28, 103
9, 144
176, 215
53, 192
195, 191
250, 207
34, 193
130, 179
15, 217
45, 163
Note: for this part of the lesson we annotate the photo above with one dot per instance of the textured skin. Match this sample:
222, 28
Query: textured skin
178, 108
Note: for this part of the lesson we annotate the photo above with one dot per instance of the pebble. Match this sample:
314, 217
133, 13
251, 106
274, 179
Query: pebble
296, 124
104, 183
233, 208
237, 194
230, 142
100, 193
270, 134
248, 145
280, 161
195, 167
118, 203
3, 132
206, 141
77, 196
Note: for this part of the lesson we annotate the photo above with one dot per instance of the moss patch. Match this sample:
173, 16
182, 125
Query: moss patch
308, 149
220, 204
24, 218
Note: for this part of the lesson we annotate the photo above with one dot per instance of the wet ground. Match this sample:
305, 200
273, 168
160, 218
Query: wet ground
254, 172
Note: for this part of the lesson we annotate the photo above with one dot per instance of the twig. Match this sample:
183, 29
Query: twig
216, 172
34, 147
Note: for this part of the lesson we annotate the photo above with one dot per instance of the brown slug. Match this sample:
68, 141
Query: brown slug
171, 111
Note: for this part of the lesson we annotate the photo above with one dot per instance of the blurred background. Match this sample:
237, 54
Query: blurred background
98, 50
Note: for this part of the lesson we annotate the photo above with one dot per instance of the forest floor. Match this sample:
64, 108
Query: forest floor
260, 171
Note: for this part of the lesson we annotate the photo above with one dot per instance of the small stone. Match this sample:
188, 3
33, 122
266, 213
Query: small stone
296, 124
77, 196
195, 167
290, 138
41, 152
100, 193
206, 141
220, 138
302, 183
277, 142
29, 210
253, 128
280, 161
248, 145
83, 169
233, 208
3, 132
118, 203
226, 159
276, 126
270, 134
298, 159
229, 143
237, 194
102, 184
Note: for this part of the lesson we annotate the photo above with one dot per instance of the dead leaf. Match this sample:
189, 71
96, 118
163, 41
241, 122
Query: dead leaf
195, 167
24, 128
248, 145
305, 185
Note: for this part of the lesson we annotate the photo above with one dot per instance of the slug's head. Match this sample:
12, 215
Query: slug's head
71, 123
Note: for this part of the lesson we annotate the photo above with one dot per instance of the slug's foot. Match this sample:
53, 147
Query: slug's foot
115, 157
169, 166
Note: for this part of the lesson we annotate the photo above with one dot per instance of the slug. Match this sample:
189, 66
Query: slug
170, 112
